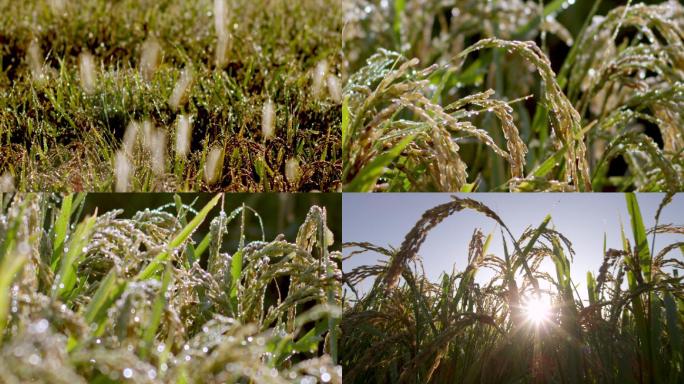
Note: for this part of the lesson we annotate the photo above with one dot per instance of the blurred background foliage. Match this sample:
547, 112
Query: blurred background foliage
281, 213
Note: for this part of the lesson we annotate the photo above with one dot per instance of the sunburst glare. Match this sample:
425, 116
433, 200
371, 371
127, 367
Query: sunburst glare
537, 310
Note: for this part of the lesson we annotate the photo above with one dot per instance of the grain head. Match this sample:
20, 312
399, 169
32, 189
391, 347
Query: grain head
181, 90
320, 73
122, 171
183, 135
150, 58
213, 167
268, 119
292, 171
334, 88
87, 72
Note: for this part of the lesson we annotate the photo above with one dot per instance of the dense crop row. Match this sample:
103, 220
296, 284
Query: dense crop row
499, 95
106, 299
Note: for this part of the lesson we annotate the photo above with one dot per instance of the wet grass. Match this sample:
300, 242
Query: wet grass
463, 96
100, 298
408, 329
76, 76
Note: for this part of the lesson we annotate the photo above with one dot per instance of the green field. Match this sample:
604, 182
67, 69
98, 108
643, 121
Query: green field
141, 95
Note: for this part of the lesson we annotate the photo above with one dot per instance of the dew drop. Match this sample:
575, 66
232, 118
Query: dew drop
128, 373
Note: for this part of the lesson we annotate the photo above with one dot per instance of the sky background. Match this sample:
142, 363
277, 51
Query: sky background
384, 219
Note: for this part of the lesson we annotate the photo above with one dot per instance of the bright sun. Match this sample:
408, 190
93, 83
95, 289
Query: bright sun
537, 310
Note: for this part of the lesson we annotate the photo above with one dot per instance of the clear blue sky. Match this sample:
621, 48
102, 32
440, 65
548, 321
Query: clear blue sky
384, 219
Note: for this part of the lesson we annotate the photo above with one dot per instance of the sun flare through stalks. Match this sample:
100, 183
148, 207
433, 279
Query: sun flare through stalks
537, 310
516, 313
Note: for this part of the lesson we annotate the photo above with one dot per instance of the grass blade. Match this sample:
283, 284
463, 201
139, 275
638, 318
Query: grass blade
61, 228
366, 178
66, 278
184, 234
9, 267
157, 311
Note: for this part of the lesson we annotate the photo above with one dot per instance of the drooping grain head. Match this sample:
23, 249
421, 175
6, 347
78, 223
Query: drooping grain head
6, 183
213, 166
183, 135
87, 74
180, 93
334, 88
150, 58
292, 170
319, 78
268, 119
122, 171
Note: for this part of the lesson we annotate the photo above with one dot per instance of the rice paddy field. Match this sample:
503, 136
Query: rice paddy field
150, 151
189, 289
142, 95
461, 95
508, 308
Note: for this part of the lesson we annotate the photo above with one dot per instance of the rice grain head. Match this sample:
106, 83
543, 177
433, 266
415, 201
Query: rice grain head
213, 166
334, 88
150, 58
292, 170
319, 78
86, 66
179, 96
6, 183
268, 119
183, 135
122, 171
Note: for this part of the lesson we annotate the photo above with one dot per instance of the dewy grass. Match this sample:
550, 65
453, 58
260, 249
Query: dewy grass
431, 76
512, 328
106, 299
74, 75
